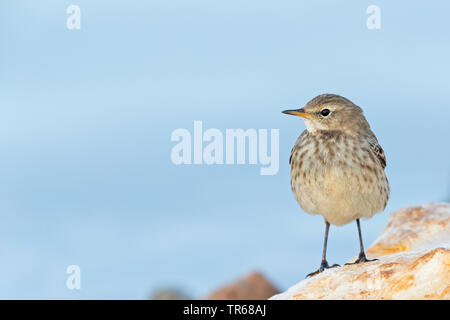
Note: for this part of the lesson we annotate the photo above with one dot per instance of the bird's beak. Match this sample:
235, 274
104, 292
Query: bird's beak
299, 112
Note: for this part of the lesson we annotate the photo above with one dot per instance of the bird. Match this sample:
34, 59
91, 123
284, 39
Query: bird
338, 167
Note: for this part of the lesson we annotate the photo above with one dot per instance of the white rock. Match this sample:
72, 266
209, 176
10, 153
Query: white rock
414, 262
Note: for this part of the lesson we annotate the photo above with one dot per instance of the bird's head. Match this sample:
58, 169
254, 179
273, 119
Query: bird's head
331, 112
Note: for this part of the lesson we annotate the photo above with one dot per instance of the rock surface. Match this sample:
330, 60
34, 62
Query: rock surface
252, 287
414, 262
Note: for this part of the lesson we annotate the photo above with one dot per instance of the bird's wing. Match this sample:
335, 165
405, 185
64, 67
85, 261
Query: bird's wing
377, 150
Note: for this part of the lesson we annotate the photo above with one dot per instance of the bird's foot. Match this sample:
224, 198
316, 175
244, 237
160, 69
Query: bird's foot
324, 265
361, 258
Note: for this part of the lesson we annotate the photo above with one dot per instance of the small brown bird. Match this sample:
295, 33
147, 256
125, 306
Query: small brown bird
337, 166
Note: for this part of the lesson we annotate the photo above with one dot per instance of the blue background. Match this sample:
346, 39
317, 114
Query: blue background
86, 118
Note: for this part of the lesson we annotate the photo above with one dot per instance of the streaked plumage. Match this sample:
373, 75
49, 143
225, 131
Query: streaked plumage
339, 176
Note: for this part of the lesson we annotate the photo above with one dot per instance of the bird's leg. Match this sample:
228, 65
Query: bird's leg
362, 256
324, 264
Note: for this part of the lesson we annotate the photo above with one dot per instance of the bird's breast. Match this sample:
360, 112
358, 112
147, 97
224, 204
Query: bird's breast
337, 173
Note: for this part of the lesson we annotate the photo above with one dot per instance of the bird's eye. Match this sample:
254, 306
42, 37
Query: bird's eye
325, 112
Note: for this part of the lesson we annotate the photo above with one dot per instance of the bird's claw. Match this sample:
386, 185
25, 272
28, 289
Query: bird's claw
324, 265
361, 258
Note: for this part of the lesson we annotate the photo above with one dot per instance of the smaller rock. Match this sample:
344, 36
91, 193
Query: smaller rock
252, 287
169, 294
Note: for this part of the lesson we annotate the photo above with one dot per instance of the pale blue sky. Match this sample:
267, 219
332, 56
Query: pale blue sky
86, 119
